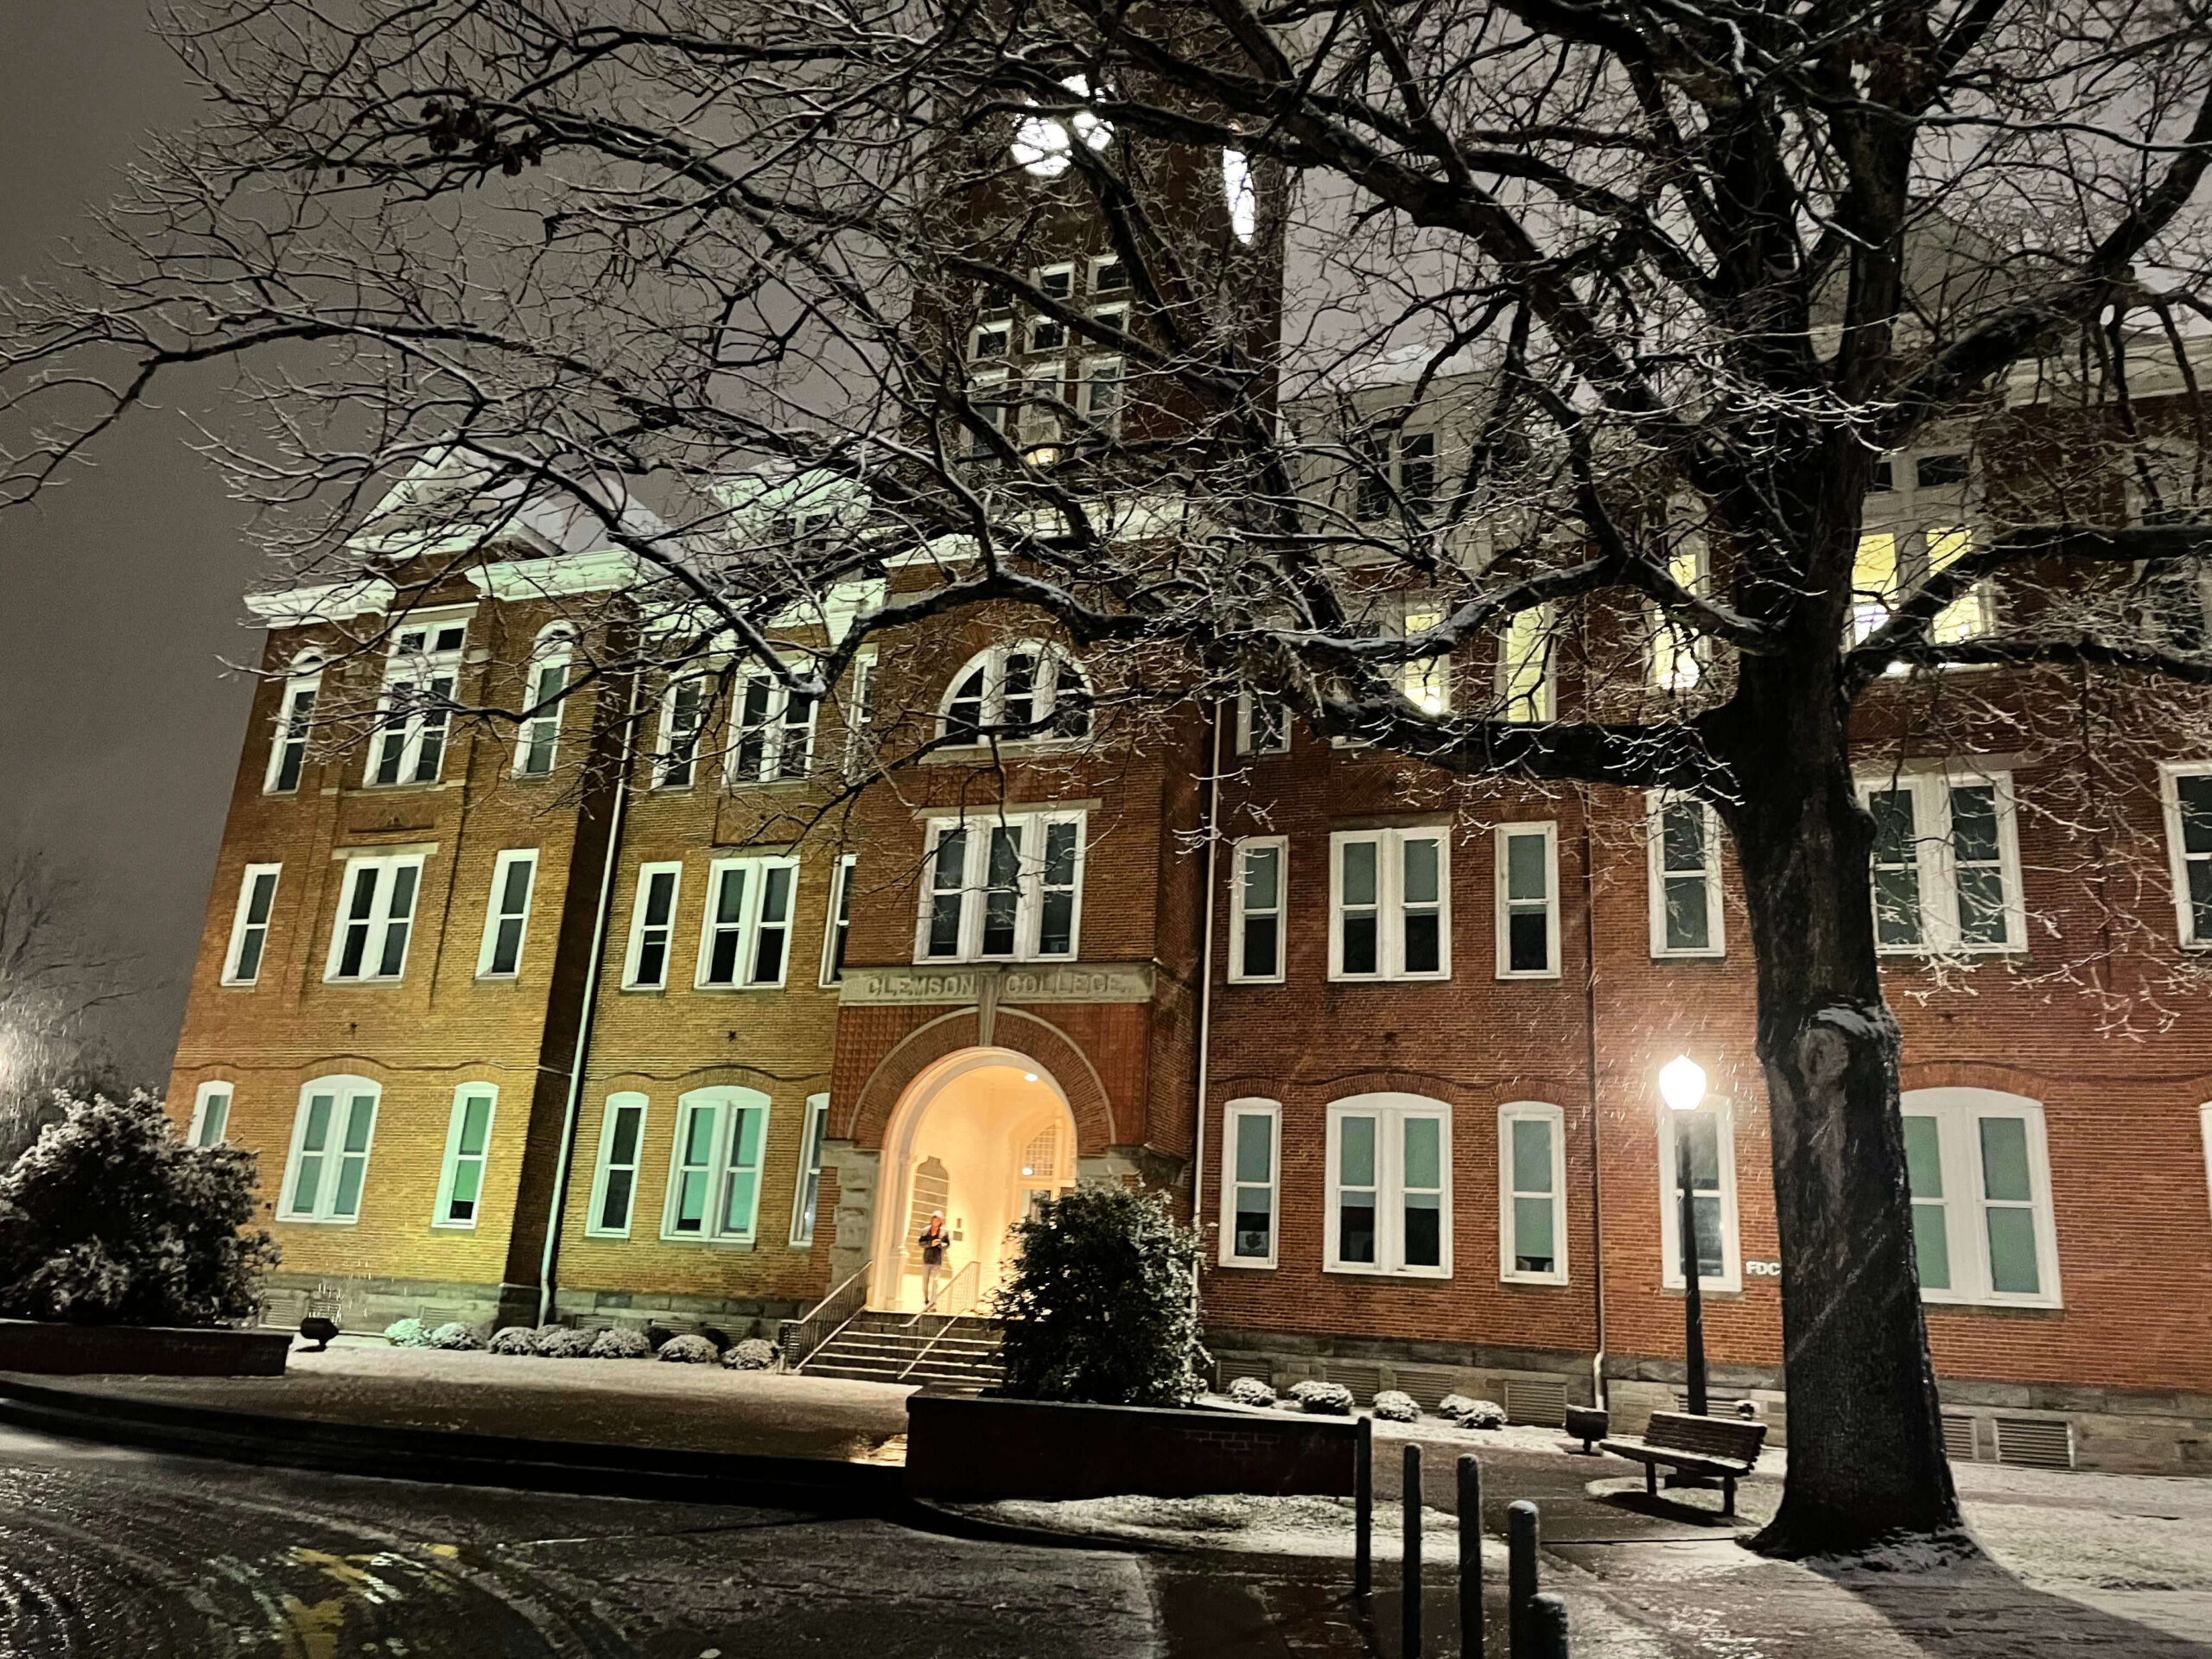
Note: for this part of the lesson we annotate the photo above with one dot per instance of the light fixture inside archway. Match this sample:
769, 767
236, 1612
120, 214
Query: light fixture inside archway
1044, 145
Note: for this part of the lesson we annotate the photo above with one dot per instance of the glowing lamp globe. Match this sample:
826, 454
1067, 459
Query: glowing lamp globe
1682, 1084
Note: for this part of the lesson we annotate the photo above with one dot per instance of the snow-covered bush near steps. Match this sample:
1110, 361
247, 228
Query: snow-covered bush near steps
514, 1340
565, 1341
1323, 1399
616, 1343
753, 1354
455, 1337
1472, 1414
1395, 1406
407, 1334
1251, 1391
688, 1350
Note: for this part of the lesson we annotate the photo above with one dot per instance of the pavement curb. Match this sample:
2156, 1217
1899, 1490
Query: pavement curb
817, 1485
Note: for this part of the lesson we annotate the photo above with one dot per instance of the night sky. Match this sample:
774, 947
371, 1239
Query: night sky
119, 728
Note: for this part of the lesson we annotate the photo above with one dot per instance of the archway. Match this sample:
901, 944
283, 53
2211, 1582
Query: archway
982, 1135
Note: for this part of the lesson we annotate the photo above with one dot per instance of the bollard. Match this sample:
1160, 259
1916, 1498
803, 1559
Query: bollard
1471, 1557
1363, 1507
1409, 1607
1521, 1577
1548, 1627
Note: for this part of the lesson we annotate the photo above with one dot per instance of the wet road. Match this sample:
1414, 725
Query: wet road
106, 1551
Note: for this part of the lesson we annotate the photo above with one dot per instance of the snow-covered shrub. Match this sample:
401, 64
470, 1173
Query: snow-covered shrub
1395, 1406
453, 1335
108, 1218
688, 1350
1102, 1304
1251, 1391
407, 1334
514, 1340
1482, 1414
1323, 1399
565, 1341
618, 1343
753, 1354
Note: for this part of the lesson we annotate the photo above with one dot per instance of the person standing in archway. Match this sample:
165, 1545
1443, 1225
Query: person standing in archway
933, 1241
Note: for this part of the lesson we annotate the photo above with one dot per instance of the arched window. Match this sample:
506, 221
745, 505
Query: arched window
539, 737
1390, 1192
1045, 144
1024, 692
328, 1161
1531, 1194
714, 1174
468, 1146
1982, 1226
1251, 1173
288, 753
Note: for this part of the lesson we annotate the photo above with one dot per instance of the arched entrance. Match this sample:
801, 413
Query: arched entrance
982, 1135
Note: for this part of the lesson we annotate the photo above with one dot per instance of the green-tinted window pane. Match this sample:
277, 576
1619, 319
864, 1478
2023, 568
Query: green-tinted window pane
1688, 925
737, 1213
358, 1123
699, 1136
307, 1183
467, 1181
1424, 1166
475, 1120
625, 1150
1981, 906
1683, 838
1932, 1246
729, 899
2195, 794
1356, 1154
1532, 1235
1524, 868
1893, 838
690, 1201
1255, 1147
213, 1117
1420, 872
2012, 1251
745, 1140
1896, 906
349, 1201
1359, 873
2005, 1159
1262, 876
1924, 1157
318, 1130
1532, 1154
1974, 823
614, 1211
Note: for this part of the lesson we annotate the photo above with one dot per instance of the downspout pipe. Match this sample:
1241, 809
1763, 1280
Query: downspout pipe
1206, 970
549, 1260
1596, 1147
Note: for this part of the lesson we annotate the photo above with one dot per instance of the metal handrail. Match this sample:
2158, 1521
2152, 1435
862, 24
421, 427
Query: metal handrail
950, 1319
946, 1289
799, 1346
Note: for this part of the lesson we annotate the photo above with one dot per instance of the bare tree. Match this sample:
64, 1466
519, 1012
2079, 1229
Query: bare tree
1557, 344
57, 973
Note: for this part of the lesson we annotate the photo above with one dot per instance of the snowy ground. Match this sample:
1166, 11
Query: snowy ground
1318, 1528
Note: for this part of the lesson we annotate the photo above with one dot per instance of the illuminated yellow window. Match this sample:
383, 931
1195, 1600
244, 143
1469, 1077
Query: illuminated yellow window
1967, 616
1873, 582
1524, 669
1679, 652
1427, 684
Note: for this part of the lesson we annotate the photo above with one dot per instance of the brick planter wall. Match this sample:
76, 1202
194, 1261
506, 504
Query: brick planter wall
56, 1350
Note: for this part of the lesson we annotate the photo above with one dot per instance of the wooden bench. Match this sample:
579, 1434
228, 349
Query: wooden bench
1724, 1446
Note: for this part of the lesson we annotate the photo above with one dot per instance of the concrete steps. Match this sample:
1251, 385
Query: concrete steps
885, 1348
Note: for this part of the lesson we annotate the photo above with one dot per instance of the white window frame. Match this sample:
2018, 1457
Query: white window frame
294, 725
405, 729
379, 922
669, 771
776, 732
859, 718
449, 1166
1426, 683
1912, 516
242, 924
1958, 1113
837, 925
1280, 845
1931, 791
1533, 703
976, 866
1233, 1115
755, 870
1104, 368
488, 950
1390, 904
203, 1100
1514, 1112
604, 1165
344, 1091
555, 650
721, 1168
1656, 805
2170, 772
806, 1198
1053, 666
1252, 738
674, 869
1390, 1111
1731, 1278
1098, 263
1501, 859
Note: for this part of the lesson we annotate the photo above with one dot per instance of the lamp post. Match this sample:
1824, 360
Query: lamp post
1682, 1085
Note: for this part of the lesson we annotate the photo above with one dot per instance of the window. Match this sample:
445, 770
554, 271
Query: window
1921, 522
1711, 1134
1015, 693
1528, 901
1044, 144
1001, 887
775, 733
810, 1169
987, 397
1682, 835
614, 1182
860, 718
376, 913
652, 922
1102, 394
540, 734
1389, 1177
682, 713
1679, 652
1426, 683
2187, 790
714, 1178
250, 925
468, 1139
329, 1158
1109, 275
418, 705
506, 914
1237, 191
1525, 687
1531, 1181
747, 938
1946, 864
1251, 1176
288, 754
1263, 724
1258, 871
839, 926
1389, 905
211, 1114
1982, 1228
1397, 474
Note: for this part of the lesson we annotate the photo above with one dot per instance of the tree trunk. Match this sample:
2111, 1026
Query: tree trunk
1865, 1453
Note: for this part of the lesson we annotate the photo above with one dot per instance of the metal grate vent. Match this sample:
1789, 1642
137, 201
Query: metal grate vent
2035, 1442
1959, 1437
1428, 1385
1363, 1381
1543, 1404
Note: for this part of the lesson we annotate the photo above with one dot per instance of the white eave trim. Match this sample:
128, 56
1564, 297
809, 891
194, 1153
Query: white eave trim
598, 572
335, 601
